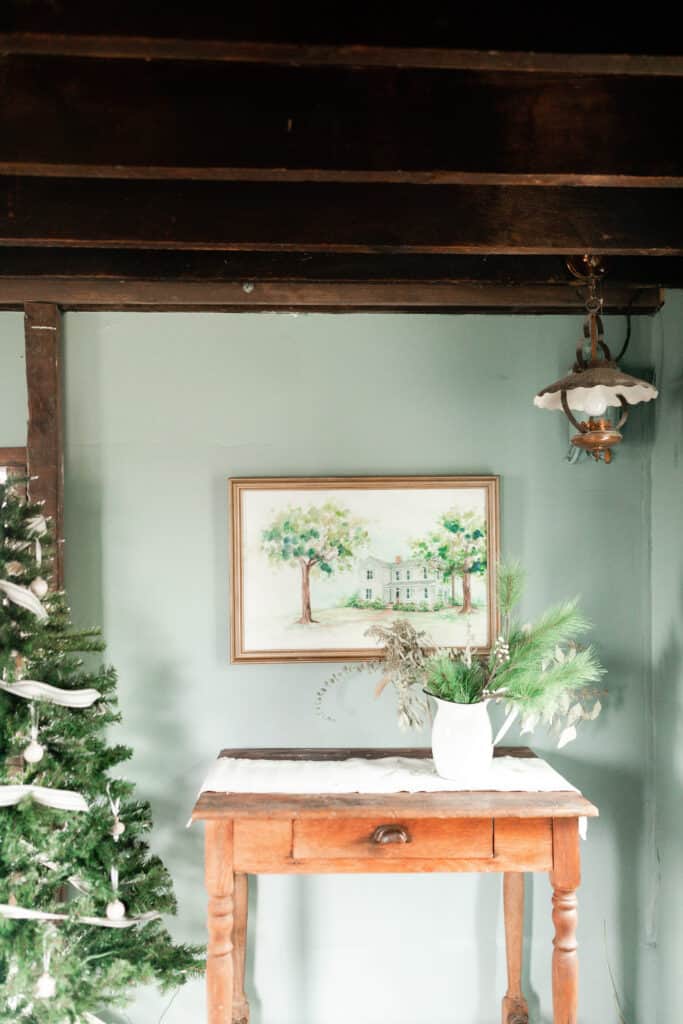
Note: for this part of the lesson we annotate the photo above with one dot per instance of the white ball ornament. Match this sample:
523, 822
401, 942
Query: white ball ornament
34, 752
116, 910
117, 830
39, 587
46, 987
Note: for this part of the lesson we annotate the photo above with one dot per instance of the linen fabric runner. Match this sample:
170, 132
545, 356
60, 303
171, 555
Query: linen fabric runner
381, 775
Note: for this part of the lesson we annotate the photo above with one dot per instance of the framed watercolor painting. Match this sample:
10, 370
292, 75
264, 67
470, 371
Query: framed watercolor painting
317, 561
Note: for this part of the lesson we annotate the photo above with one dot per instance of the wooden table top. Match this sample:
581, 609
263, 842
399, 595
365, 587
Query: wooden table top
448, 804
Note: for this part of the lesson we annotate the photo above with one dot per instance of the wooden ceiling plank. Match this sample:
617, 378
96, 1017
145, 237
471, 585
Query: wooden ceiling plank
123, 47
338, 218
88, 118
55, 264
399, 295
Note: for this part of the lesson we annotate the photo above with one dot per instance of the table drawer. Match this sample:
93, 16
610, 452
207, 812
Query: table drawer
315, 839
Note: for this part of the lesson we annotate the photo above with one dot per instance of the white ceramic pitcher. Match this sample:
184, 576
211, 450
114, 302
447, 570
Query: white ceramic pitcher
462, 741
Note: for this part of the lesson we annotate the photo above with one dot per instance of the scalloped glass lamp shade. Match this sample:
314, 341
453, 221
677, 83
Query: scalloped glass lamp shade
594, 390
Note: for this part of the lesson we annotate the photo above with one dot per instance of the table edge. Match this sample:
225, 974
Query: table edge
445, 804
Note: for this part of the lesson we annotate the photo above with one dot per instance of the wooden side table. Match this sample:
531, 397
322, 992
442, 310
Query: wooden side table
249, 833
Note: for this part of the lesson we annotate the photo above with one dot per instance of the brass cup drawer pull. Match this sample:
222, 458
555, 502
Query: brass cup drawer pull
384, 834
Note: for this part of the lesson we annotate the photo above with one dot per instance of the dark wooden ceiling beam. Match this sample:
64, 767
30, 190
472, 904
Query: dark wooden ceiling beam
56, 263
94, 279
440, 25
137, 119
153, 47
339, 218
417, 296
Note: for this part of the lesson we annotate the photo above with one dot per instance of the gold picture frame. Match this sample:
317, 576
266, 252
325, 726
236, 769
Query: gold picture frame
347, 529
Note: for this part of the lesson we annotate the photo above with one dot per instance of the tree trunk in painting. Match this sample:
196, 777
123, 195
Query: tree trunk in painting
466, 593
453, 589
306, 617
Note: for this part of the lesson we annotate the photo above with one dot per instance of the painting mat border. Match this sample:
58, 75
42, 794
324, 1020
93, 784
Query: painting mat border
238, 485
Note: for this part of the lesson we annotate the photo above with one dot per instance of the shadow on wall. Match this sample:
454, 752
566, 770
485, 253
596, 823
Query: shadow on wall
620, 798
668, 676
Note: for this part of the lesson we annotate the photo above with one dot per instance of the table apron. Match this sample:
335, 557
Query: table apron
321, 846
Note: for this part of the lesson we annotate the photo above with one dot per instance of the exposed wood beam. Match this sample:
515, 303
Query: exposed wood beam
440, 25
117, 47
55, 264
95, 279
85, 118
399, 296
45, 431
339, 218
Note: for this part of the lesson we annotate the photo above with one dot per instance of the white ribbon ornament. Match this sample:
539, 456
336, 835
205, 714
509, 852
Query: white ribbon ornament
29, 689
58, 799
25, 914
23, 597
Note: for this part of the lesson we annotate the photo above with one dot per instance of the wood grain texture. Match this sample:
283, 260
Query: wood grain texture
240, 1003
262, 844
528, 841
74, 117
312, 296
565, 878
96, 278
344, 753
45, 444
314, 839
307, 42
394, 806
515, 1009
220, 887
13, 459
330, 217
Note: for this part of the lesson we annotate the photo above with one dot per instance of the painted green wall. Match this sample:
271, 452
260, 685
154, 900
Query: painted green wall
13, 410
667, 614
160, 410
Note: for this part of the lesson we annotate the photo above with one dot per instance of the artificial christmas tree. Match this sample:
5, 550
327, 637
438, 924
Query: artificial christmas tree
80, 894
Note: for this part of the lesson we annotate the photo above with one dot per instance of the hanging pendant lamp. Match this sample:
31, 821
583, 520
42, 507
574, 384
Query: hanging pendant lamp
596, 383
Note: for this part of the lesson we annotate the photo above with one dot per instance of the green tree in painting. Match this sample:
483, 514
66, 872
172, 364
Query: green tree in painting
456, 549
319, 539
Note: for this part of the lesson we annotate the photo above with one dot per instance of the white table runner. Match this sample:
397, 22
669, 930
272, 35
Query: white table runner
380, 775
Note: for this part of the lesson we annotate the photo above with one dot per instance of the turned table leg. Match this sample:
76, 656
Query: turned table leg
515, 1009
565, 878
240, 1005
220, 882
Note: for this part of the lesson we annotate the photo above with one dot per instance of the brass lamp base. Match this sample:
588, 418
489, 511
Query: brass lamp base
597, 437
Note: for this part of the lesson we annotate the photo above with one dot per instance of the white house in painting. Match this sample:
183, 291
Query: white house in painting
399, 582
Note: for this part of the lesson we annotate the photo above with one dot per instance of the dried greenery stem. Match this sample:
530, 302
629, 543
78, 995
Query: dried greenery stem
404, 657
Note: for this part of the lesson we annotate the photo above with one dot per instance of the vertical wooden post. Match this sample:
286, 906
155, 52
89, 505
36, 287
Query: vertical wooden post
45, 445
240, 1006
220, 882
565, 878
515, 1009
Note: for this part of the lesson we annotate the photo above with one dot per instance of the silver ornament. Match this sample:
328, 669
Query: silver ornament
39, 587
117, 830
34, 752
46, 987
116, 910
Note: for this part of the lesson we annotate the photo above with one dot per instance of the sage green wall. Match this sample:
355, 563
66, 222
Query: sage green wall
13, 410
160, 410
667, 615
